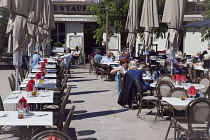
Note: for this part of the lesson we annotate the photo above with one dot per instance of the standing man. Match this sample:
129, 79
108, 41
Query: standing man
35, 59
67, 58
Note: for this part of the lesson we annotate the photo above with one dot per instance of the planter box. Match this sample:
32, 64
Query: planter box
58, 50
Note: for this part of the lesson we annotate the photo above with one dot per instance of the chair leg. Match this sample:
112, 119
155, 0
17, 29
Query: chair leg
169, 127
139, 110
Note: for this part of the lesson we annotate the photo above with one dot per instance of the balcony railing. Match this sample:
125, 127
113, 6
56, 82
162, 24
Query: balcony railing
74, 1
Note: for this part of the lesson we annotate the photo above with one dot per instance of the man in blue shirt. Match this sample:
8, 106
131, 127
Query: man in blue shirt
35, 59
97, 57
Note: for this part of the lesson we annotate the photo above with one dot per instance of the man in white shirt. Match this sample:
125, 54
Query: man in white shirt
67, 58
107, 58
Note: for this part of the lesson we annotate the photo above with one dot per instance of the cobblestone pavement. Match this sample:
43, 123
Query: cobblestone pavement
97, 114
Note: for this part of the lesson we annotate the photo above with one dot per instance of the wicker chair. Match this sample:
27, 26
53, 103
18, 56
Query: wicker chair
68, 120
21, 72
176, 92
144, 99
140, 65
54, 133
91, 62
162, 90
165, 77
205, 80
198, 119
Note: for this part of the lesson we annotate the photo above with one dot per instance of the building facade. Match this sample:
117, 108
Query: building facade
75, 25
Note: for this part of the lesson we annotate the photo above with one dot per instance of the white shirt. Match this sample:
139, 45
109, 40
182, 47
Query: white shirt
77, 52
67, 59
106, 60
123, 69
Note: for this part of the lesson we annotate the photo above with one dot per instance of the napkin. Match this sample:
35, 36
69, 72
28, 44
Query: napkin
53, 138
178, 77
38, 76
43, 64
191, 91
29, 87
173, 78
183, 77
42, 73
41, 68
24, 102
31, 81
45, 60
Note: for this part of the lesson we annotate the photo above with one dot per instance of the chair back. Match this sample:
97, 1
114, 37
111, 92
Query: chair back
1, 104
194, 73
44, 135
198, 113
140, 65
147, 68
68, 120
163, 88
165, 77
177, 92
21, 72
11, 84
13, 80
139, 87
205, 80
62, 109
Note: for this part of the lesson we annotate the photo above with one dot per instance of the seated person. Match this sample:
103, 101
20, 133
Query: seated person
123, 68
97, 57
67, 58
76, 53
107, 58
133, 72
127, 56
176, 65
35, 59
203, 55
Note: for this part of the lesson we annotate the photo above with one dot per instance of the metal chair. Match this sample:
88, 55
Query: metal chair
53, 134
12, 87
165, 77
176, 92
162, 90
143, 99
198, 119
205, 80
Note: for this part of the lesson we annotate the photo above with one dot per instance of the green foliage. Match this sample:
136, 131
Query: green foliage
118, 10
206, 32
58, 44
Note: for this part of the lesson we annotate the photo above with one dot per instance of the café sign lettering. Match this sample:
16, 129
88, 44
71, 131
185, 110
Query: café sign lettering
70, 8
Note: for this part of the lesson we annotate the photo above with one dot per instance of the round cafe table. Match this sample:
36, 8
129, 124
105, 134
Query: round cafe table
186, 85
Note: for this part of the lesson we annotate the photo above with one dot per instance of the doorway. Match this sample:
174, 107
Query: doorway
89, 41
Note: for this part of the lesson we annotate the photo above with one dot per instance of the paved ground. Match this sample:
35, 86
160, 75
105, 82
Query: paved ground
97, 115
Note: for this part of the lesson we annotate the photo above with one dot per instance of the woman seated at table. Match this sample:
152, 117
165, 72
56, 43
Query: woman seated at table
121, 70
133, 72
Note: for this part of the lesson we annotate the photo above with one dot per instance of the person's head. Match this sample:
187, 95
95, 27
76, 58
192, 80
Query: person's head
205, 52
124, 62
108, 54
35, 52
127, 54
132, 65
198, 53
76, 48
104, 42
68, 50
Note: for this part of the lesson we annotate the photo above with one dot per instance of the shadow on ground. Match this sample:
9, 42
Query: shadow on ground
84, 80
88, 92
97, 114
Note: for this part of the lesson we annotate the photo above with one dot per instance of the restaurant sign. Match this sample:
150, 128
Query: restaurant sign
71, 9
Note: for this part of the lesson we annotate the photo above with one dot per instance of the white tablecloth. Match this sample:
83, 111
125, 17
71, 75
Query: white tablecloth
50, 61
177, 103
41, 97
47, 83
48, 70
186, 85
32, 119
49, 66
48, 75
